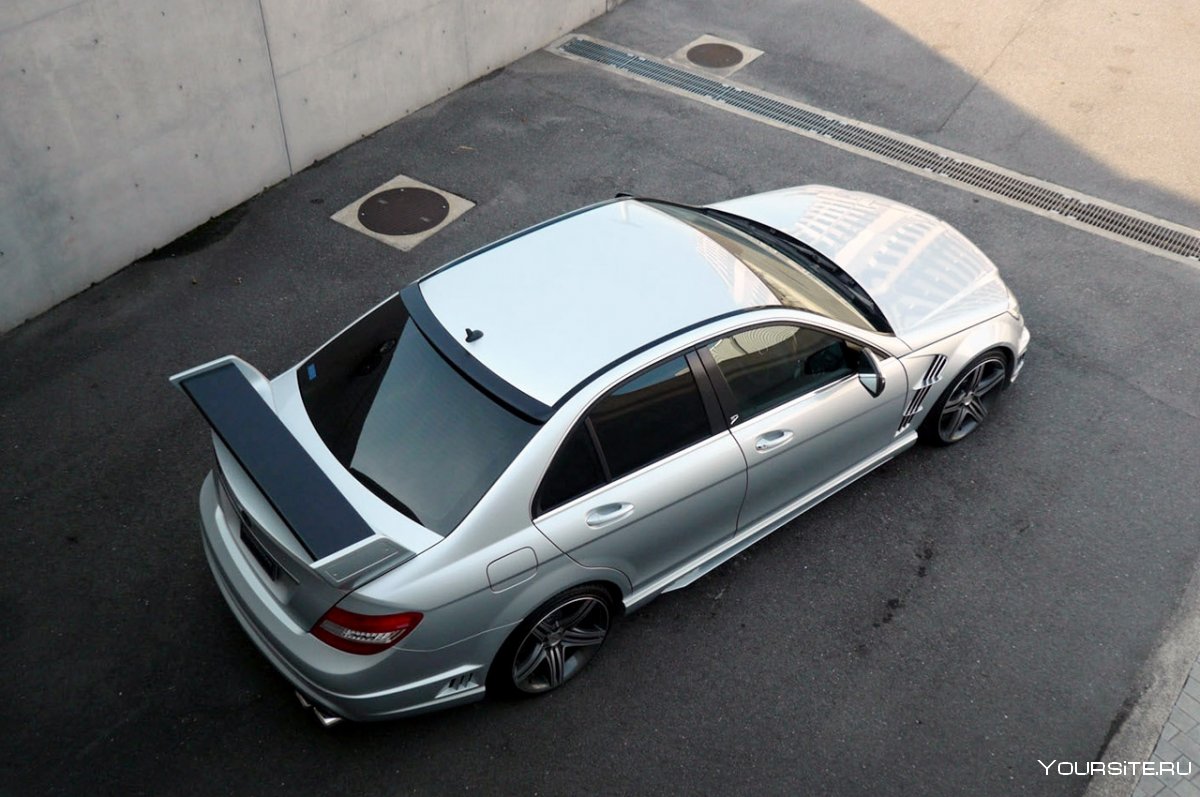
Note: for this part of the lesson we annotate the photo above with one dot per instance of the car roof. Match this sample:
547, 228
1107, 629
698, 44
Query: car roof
562, 301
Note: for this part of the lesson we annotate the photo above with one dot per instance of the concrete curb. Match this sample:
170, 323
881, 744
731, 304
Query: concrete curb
1164, 676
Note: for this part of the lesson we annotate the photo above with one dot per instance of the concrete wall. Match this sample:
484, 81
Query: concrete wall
125, 123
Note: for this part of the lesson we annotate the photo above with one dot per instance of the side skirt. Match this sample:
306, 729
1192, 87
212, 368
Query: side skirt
710, 560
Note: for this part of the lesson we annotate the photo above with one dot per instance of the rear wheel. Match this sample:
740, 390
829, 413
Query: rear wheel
968, 402
554, 643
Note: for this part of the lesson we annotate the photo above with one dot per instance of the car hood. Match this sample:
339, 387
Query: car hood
928, 279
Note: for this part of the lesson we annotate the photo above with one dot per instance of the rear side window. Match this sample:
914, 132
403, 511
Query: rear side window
769, 366
574, 471
646, 418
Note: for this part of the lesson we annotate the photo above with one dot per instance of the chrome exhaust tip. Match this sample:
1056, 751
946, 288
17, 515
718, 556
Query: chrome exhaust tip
325, 718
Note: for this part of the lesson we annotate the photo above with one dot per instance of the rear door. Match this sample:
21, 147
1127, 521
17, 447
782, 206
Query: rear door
798, 410
648, 478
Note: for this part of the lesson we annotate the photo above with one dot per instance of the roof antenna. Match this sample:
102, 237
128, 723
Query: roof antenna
474, 334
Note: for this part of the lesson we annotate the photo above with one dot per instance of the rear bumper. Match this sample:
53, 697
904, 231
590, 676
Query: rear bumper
396, 683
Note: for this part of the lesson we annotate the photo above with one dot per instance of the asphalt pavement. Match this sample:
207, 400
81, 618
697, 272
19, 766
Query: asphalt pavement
937, 628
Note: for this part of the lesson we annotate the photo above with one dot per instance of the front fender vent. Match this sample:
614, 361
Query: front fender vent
932, 376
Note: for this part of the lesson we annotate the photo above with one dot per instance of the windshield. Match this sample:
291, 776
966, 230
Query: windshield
796, 274
405, 422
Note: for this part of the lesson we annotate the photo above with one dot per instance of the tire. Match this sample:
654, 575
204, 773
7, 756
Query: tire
553, 643
969, 400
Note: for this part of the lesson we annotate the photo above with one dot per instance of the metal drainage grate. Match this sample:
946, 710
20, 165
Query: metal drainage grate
1011, 186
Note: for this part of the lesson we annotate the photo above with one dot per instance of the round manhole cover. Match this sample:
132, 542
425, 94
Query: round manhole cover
715, 56
403, 211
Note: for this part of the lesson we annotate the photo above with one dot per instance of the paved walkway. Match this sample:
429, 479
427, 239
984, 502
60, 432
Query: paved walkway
1180, 743
1105, 74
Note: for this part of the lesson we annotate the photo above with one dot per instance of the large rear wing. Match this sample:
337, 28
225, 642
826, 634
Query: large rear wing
232, 397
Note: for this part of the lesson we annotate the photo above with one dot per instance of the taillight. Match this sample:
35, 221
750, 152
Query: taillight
364, 633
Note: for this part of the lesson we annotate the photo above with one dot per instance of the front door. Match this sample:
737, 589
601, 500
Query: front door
801, 414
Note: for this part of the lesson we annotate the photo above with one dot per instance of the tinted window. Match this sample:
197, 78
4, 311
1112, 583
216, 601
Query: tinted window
652, 415
407, 424
574, 471
768, 366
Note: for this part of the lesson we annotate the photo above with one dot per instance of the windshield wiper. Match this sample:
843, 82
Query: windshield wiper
830, 273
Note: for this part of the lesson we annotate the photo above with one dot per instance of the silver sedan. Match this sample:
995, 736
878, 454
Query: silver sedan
464, 489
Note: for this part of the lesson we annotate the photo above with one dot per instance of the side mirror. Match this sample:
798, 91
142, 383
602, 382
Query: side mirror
870, 374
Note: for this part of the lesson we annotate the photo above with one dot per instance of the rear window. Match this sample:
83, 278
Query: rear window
405, 422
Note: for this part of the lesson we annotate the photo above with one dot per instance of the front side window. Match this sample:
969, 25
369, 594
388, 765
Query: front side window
646, 418
771, 365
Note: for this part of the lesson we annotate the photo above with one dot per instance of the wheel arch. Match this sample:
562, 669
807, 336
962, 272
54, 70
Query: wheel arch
980, 340
959, 350
495, 679
614, 593
535, 600
554, 578
930, 428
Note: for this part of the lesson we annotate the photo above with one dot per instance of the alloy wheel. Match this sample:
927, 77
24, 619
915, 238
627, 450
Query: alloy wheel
560, 644
971, 399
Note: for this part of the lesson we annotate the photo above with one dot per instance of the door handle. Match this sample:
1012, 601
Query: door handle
772, 440
609, 513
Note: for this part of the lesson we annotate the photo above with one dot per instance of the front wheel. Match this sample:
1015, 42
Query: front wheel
969, 400
554, 643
